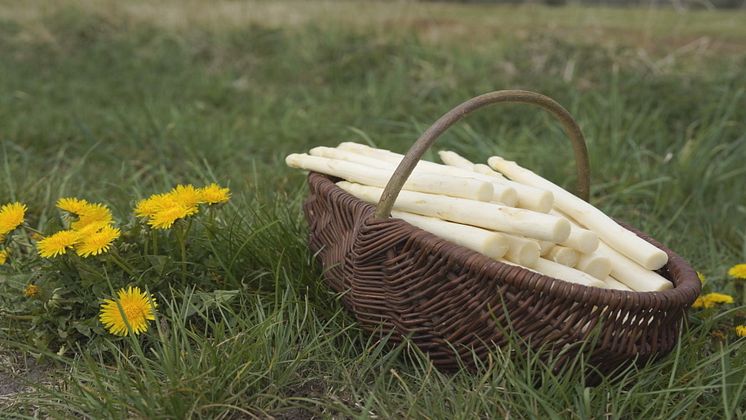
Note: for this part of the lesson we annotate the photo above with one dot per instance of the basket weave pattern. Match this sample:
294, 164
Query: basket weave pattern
451, 301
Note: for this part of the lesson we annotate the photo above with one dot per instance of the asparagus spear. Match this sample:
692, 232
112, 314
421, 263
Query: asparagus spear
528, 197
455, 187
491, 244
612, 233
502, 194
486, 215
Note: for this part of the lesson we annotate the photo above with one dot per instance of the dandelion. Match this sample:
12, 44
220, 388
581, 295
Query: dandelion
72, 205
214, 194
92, 213
152, 205
57, 244
11, 216
186, 195
97, 242
91, 234
137, 307
91, 228
738, 271
162, 210
164, 219
741, 330
3, 256
31, 291
711, 300
87, 213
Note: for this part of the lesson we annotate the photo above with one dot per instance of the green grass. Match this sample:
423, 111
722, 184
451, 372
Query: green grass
113, 102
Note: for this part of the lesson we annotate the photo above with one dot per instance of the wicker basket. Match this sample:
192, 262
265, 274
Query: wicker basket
453, 302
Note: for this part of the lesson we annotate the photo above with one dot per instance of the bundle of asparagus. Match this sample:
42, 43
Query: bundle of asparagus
503, 211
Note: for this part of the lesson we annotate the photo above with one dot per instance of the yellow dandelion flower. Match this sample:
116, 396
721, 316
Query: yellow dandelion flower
699, 303
92, 213
11, 216
711, 300
153, 204
91, 216
741, 330
57, 244
3, 256
214, 194
137, 307
91, 228
164, 219
738, 271
162, 210
72, 205
186, 195
97, 242
720, 298
31, 291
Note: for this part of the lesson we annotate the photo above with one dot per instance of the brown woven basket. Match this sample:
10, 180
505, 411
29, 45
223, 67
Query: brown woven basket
454, 303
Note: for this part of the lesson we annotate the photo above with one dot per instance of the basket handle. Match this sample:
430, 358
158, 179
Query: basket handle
405, 168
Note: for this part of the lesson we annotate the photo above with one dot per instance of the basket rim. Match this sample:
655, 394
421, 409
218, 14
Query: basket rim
686, 283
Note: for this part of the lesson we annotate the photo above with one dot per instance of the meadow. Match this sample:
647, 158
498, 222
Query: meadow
115, 101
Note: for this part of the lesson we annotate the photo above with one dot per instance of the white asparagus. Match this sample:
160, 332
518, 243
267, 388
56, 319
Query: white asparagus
503, 194
600, 266
430, 183
580, 239
559, 271
612, 283
454, 159
367, 150
505, 190
395, 159
632, 274
570, 274
522, 251
489, 243
563, 255
334, 153
481, 168
486, 215
619, 238
528, 197
545, 247
595, 265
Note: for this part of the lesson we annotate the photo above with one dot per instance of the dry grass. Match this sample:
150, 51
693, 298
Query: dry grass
649, 29
17, 369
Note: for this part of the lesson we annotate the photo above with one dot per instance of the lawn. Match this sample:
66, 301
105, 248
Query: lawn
114, 101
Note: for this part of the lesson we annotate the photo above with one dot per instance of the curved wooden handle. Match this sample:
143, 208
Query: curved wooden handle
427, 138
